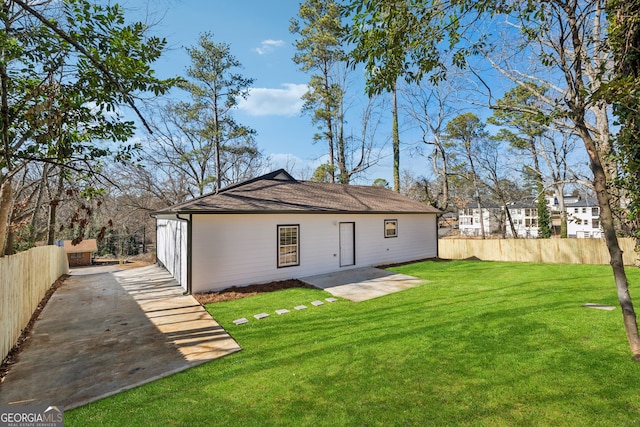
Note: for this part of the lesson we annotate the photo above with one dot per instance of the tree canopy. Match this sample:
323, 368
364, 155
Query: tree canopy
66, 69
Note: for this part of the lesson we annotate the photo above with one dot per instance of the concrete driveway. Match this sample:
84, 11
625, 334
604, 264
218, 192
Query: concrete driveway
361, 284
106, 330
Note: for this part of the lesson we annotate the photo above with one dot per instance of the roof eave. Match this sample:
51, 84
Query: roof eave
288, 211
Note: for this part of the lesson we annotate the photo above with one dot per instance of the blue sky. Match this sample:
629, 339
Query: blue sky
259, 37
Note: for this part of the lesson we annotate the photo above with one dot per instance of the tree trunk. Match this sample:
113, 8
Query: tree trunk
476, 187
482, 232
611, 239
51, 231
559, 189
563, 224
343, 173
396, 141
442, 172
53, 209
41, 190
216, 141
6, 199
330, 135
513, 228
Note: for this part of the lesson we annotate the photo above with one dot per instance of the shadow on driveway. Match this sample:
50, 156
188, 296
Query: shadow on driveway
107, 330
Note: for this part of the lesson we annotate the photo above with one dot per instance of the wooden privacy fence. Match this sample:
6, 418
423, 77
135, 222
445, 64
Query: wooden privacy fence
24, 280
558, 251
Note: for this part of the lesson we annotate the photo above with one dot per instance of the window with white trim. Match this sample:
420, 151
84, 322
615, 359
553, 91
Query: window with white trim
288, 245
390, 228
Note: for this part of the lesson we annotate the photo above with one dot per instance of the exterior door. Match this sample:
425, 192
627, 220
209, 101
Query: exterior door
347, 244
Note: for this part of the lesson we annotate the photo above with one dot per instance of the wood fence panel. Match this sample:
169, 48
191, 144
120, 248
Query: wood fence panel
557, 251
24, 280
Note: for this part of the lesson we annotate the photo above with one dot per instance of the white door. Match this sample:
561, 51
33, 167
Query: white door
347, 244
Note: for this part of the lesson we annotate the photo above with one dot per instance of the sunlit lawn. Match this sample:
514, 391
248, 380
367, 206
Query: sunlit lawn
482, 343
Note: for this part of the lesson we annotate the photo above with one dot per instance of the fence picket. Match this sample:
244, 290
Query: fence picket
24, 280
556, 251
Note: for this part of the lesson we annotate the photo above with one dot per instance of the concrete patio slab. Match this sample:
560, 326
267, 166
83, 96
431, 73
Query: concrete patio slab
104, 331
361, 284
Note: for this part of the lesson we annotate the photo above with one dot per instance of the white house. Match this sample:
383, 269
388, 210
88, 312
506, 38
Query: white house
275, 228
469, 219
525, 219
583, 219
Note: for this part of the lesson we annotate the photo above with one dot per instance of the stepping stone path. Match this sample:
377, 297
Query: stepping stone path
315, 303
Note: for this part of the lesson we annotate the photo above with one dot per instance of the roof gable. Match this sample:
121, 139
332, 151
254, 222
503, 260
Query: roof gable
88, 245
279, 192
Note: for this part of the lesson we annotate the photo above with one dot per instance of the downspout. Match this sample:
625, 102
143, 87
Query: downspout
189, 239
438, 236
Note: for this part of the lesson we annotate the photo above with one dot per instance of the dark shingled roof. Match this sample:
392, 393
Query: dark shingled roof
485, 205
279, 192
588, 203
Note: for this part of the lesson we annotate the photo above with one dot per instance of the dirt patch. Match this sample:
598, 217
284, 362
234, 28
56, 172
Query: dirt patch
236, 292
399, 264
134, 264
12, 357
128, 263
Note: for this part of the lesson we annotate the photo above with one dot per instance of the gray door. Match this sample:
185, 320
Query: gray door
347, 244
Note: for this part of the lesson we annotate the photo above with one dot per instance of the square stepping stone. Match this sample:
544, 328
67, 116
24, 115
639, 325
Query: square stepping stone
300, 307
317, 303
261, 316
240, 321
282, 311
331, 299
599, 306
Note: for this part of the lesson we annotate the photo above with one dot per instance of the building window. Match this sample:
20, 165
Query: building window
584, 210
288, 245
531, 222
390, 228
595, 223
595, 211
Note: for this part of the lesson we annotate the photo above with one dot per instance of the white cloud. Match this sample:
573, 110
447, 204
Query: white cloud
274, 102
268, 46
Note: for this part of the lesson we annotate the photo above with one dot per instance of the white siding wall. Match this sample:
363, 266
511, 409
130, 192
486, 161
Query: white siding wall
581, 222
241, 249
171, 235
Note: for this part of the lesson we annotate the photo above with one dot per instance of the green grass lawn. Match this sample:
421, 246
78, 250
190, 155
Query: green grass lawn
482, 343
